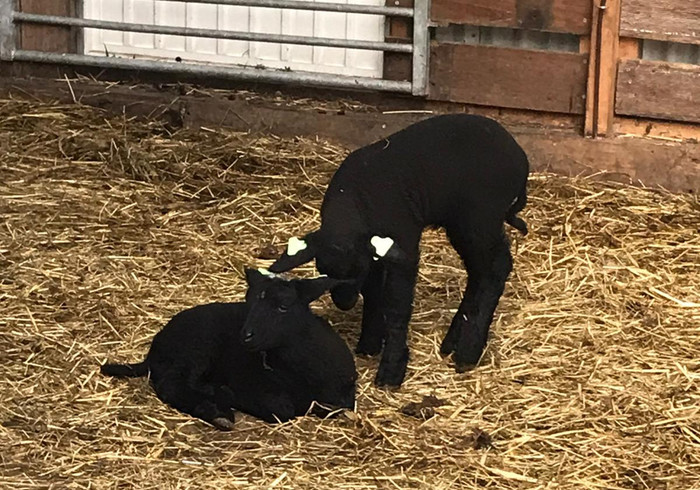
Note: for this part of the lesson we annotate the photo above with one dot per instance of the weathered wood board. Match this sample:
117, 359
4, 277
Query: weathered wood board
398, 66
47, 38
507, 77
658, 89
573, 16
664, 20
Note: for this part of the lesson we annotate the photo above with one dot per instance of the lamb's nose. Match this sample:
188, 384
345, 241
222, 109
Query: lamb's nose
246, 336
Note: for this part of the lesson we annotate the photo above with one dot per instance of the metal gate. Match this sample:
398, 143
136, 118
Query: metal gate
419, 48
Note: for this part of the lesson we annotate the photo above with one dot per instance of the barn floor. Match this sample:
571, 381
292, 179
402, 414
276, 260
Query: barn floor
110, 226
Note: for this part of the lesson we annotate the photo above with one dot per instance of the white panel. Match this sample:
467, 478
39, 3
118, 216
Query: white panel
204, 17
170, 14
365, 27
297, 23
91, 40
245, 19
139, 12
110, 10
234, 19
268, 21
330, 24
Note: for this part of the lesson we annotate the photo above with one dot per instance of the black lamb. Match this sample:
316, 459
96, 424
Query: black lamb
270, 357
464, 173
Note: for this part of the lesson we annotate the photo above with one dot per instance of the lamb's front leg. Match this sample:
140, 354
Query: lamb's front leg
396, 306
373, 330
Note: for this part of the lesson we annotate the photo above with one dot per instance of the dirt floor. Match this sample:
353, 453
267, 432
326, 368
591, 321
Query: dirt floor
109, 226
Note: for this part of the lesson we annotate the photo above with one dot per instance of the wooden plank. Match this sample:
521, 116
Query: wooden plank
398, 66
609, 44
664, 20
47, 38
507, 77
584, 44
591, 113
676, 132
602, 73
659, 89
572, 16
399, 27
630, 49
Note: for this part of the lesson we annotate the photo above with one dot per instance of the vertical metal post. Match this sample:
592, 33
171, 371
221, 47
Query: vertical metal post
421, 47
7, 30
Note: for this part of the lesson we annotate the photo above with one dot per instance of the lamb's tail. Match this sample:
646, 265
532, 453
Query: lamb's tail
125, 370
517, 206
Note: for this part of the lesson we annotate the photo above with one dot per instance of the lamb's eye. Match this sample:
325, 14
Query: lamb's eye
261, 295
282, 308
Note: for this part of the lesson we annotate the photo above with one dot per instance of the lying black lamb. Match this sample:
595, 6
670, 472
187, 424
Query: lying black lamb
462, 172
270, 357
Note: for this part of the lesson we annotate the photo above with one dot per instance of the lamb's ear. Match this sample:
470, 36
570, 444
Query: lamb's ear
254, 276
311, 289
386, 248
299, 251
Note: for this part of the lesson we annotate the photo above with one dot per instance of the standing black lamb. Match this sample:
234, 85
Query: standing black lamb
270, 357
462, 172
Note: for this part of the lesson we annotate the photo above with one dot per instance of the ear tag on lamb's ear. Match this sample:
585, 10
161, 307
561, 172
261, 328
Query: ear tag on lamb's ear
272, 275
295, 245
381, 246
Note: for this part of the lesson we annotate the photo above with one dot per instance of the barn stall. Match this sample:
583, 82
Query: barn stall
113, 223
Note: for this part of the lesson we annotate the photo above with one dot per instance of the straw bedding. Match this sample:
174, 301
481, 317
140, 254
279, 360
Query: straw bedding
110, 226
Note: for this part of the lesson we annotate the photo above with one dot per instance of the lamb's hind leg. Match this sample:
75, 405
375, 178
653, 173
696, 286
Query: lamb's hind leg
486, 255
265, 400
373, 325
460, 242
205, 401
449, 343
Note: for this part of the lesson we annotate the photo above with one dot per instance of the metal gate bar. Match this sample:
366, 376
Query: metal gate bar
347, 8
55, 20
244, 74
419, 48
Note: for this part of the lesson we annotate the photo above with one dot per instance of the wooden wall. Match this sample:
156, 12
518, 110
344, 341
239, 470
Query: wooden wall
604, 80
572, 16
665, 20
507, 77
511, 77
659, 89
398, 66
48, 38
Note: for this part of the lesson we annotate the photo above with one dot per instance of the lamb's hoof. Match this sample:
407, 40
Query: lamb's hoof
223, 423
368, 348
464, 367
447, 347
465, 361
387, 378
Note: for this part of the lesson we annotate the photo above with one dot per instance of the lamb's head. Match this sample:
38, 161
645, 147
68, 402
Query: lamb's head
278, 308
340, 256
